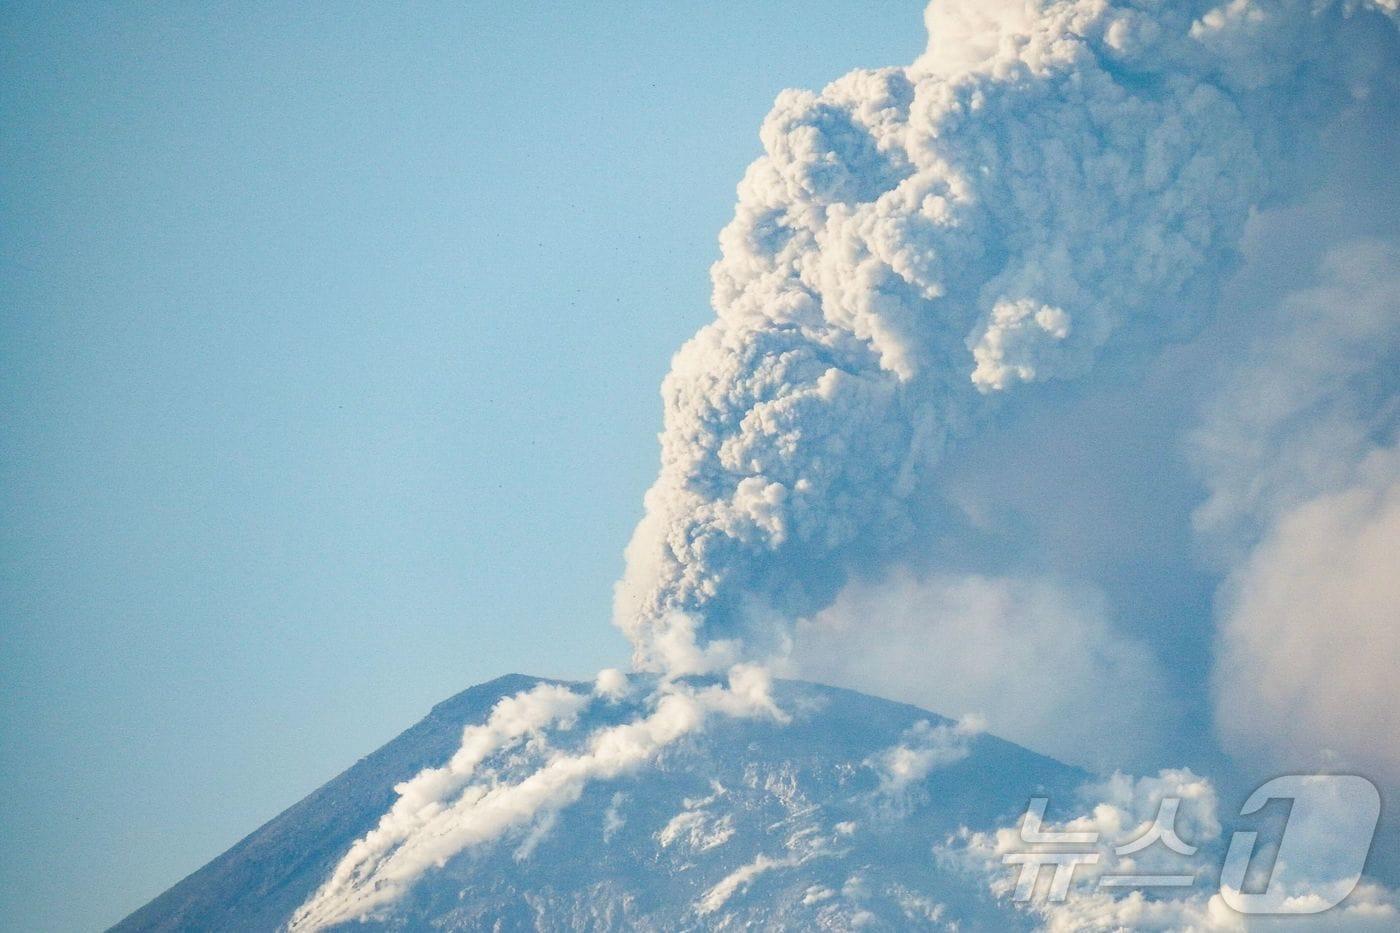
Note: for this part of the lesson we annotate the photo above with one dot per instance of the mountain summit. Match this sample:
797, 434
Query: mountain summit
830, 821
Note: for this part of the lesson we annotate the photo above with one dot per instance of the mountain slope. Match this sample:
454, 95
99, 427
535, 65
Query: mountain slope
826, 822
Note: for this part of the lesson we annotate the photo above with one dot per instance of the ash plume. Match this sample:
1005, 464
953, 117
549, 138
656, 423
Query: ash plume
916, 242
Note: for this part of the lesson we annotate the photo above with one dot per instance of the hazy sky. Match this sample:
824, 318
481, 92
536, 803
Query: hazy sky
327, 388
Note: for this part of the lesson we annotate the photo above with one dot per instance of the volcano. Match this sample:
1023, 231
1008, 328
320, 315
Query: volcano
833, 820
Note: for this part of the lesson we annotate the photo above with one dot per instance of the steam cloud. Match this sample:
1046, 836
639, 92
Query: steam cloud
435, 818
1302, 457
918, 241
1034, 658
914, 243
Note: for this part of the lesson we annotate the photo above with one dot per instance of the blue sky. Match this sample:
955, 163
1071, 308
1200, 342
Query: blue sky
331, 342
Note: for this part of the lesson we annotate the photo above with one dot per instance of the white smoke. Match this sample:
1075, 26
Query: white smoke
1301, 453
1036, 658
921, 750
420, 800
916, 241
436, 817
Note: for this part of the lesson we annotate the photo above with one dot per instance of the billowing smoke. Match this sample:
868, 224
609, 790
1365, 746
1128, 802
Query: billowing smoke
1036, 659
918, 241
1301, 453
1048, 181
391, 850
443, 811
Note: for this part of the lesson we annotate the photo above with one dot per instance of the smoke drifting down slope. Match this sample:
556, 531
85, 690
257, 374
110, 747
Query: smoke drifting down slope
915, 243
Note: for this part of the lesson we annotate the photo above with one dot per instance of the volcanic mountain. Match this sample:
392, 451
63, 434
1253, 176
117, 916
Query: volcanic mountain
834, 820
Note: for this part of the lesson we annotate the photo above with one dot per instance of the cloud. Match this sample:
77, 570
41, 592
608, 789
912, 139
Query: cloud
512, 721
1300, 455
922, 749
1310, 398
1038, 660
611, 684
444, 820
1310, 632
425, 800
916, 242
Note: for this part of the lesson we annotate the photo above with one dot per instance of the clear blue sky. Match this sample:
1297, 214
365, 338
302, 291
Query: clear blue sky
331, 340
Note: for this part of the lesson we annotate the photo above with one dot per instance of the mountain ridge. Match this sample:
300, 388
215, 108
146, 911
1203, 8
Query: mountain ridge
258, 882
